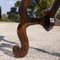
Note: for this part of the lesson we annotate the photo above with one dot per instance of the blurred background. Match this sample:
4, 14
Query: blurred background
9, 9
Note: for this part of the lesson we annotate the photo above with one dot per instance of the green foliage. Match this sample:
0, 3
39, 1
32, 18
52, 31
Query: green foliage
58, 14
13, 17
17, 4
39, 6
43, 4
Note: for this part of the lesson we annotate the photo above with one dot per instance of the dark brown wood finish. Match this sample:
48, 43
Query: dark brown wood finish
27, 21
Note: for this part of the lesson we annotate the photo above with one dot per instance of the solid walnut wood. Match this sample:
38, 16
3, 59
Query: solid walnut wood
21, 52
27, 21
21, 31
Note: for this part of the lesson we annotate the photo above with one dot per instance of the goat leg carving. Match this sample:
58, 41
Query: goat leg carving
26, 21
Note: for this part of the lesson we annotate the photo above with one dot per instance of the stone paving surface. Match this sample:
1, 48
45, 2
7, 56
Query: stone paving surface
43, 45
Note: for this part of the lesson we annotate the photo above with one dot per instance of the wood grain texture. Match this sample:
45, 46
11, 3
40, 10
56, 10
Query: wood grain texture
27, 21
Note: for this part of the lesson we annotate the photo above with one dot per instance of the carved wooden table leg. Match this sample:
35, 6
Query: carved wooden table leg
26, 20
21, 52
21, 31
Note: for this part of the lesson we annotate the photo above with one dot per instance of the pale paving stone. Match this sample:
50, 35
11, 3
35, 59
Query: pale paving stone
43, 45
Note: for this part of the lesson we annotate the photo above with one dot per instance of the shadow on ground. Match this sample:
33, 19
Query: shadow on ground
4, 46
47, 52
2, 38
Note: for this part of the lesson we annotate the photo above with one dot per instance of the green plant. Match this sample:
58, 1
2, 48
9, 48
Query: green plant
58, 14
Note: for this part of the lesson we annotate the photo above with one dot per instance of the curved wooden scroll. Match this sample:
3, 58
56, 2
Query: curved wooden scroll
26, 21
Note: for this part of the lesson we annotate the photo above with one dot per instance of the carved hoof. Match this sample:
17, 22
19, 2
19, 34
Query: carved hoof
17, 52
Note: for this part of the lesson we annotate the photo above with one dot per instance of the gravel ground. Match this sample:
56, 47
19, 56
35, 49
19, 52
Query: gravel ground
43, 45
